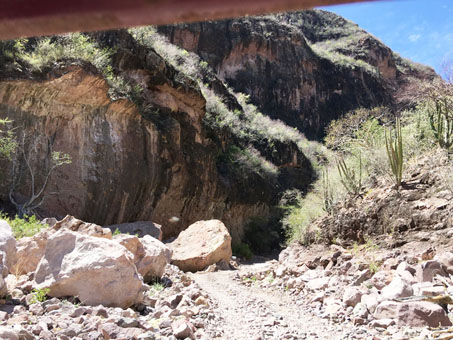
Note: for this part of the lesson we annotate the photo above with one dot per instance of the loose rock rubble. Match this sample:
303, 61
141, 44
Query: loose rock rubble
178, 310
74, 280
89, 285
398, 294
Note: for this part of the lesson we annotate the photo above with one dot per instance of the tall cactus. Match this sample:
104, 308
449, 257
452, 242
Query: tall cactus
327, 194
441, 121
394, 146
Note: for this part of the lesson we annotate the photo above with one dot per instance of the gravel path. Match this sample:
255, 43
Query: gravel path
252, 313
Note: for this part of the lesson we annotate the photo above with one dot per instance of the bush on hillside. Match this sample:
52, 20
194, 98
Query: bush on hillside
242, 250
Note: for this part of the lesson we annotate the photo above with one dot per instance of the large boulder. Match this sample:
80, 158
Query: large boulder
96, 270
30, 250
200, 245
139, 229
150, 255
7, 245
413, 314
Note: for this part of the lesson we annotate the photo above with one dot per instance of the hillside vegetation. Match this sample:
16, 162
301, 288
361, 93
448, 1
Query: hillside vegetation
339, 208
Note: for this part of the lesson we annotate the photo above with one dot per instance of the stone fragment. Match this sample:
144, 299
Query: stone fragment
36, 309
182, 329
25, 335
127, 322
371, 301
382, 278
432, 291
413, 314
3, 287
360, 310
352, 296
310, 275
150, 255
398, 288
382, 323
319, 283
96, 270
428, 270
174, 300
74, 224
201, 301
404, 266
200, 245
361, 277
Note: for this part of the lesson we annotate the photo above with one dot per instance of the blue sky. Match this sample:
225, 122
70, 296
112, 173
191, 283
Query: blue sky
421, 30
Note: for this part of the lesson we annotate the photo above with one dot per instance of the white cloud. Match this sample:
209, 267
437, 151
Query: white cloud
414, 37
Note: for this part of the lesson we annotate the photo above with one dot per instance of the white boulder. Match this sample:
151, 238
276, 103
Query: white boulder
200, 245
96, 270
7, 244
150, 255
30, 250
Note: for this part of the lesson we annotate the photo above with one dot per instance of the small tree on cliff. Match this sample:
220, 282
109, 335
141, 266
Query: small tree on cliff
7, 140
33, 162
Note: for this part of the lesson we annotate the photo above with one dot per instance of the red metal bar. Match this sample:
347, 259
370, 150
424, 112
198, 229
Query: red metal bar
25, 18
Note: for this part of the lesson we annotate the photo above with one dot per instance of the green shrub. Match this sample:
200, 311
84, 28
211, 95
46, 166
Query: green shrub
323, 50
343, 131
24, 227
300, 215
72, 45
248, 161
242, 250
39, 295
48, 51
156, 288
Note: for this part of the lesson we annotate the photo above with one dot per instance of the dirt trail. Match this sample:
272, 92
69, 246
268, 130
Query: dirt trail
252, 313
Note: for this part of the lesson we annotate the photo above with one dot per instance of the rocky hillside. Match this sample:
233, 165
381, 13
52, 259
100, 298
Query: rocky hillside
156, 132
305, 68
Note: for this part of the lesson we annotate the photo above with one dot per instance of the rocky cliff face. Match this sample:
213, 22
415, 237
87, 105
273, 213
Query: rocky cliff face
305, 68
175, 141
153, 161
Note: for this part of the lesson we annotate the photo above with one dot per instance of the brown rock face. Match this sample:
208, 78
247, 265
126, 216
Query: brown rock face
305, 68
200, 245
